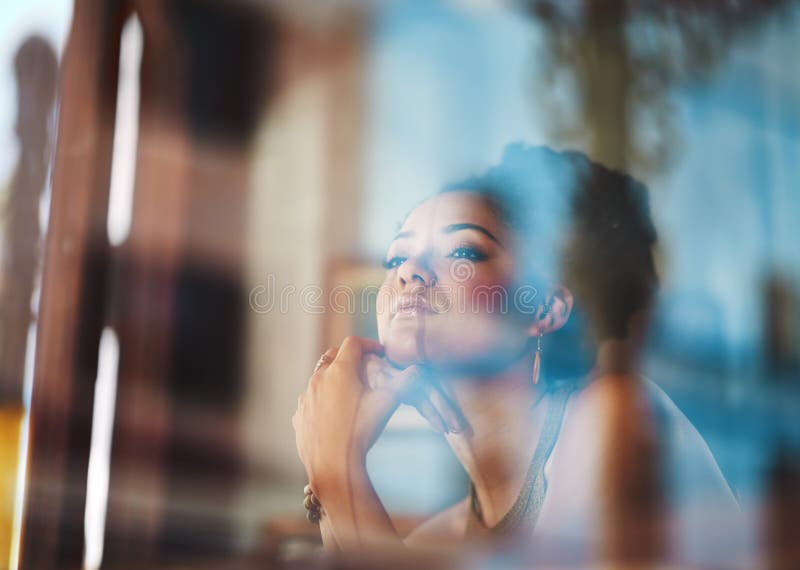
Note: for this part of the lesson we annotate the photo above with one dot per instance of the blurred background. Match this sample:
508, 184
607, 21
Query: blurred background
185, 183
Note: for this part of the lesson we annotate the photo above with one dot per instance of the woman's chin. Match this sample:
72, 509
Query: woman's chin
405, 352
402, 356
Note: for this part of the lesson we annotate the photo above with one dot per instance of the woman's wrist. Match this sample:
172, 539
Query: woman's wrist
354, 511
333, 477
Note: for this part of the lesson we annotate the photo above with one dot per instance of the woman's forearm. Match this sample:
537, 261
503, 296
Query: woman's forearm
354, 514
328, 539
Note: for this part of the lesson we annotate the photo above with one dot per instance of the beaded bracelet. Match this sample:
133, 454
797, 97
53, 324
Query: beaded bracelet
312, 505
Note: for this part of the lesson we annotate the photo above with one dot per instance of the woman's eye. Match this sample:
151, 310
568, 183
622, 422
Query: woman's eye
465, 252
393, 262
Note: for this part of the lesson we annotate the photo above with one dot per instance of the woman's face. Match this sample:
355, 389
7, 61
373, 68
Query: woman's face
448, 296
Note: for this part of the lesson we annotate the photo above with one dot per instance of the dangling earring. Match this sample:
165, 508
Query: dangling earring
537, 359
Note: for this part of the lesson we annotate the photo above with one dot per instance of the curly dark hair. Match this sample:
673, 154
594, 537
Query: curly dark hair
578, 224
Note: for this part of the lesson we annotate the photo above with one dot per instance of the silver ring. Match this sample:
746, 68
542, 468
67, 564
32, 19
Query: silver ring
323, 360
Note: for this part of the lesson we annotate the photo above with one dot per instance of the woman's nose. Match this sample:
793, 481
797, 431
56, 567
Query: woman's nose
416, 271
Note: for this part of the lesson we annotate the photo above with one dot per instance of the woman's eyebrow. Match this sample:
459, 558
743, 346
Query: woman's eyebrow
457, 227
401, 235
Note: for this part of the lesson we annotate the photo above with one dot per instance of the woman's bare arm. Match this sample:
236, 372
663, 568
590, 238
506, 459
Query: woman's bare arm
338, 419
447, 527
355, 518
326, 532
435, 533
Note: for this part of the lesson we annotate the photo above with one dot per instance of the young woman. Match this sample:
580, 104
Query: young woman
511, 313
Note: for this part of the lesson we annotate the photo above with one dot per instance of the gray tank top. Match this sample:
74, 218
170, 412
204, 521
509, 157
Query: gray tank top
520, 520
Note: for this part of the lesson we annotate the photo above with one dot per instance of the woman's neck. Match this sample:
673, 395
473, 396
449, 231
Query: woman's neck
504, 423
616, 356
497, 447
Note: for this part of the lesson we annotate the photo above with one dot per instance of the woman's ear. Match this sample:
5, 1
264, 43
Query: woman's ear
554, 313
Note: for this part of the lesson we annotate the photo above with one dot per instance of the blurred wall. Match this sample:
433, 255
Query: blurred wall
302, 219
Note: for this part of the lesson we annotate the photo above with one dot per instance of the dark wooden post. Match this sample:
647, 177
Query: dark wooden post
72, 306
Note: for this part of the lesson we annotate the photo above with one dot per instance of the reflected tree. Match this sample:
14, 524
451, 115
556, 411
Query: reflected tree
610, 68
35, 67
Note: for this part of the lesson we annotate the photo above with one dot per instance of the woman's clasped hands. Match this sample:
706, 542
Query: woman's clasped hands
348, 402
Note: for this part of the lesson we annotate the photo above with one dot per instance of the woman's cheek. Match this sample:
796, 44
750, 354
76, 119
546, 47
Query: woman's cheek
479, 298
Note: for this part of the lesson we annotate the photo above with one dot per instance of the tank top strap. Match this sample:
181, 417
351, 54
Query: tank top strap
522, 516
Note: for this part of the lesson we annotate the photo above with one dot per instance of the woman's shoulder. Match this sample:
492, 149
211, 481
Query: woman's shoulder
629, 397
447, 525
617, 402
636, 411
619, 421
693, 468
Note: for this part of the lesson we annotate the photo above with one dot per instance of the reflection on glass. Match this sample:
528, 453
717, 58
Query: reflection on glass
223, 199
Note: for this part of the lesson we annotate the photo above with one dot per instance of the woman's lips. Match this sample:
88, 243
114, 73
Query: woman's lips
412, 307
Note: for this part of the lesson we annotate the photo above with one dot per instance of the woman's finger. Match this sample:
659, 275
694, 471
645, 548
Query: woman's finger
406, 381
326, 358
447, 409
376, 371
426, 390
353, 348
427, 411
